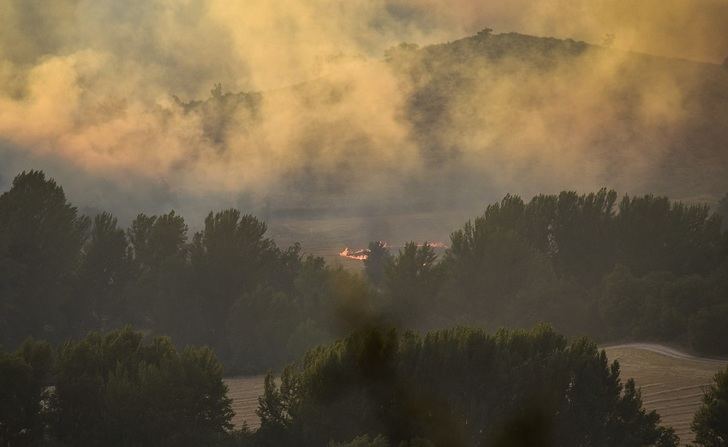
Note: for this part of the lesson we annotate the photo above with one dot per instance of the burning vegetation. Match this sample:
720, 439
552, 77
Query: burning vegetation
361, 254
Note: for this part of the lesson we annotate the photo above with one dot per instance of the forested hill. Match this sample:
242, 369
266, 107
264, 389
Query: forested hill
671, 112
504, 112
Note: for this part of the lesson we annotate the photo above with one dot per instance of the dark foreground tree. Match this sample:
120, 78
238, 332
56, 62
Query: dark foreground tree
24, 376
459, 387
711, 420
117, 390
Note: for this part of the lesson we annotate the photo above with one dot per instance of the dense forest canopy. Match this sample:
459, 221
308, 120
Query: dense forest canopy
635, 268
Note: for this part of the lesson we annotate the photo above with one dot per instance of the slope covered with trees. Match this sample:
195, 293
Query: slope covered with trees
532, 107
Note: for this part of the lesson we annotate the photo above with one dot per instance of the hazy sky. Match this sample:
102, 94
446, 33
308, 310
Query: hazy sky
86, 89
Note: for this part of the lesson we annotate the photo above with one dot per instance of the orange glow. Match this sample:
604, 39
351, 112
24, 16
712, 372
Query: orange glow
362, 254
358, 255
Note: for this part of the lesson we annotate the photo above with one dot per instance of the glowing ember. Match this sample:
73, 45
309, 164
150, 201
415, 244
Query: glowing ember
363, 253
359, 255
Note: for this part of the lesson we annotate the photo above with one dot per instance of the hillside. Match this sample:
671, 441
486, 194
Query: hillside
496, 113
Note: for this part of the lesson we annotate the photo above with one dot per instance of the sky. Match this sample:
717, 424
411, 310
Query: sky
88, 87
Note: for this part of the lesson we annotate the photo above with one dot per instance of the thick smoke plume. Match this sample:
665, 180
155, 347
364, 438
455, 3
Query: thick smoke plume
105, 96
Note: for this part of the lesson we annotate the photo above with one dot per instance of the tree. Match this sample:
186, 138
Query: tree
162, 291
462, 387
228, 257
377, 262
24, 376
156, 239
115, 389
412, 281
710, 423
274, 417
104, 276
708, 332
41, 236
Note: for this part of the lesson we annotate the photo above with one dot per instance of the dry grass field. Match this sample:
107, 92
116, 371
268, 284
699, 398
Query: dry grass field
672, 383
244, 392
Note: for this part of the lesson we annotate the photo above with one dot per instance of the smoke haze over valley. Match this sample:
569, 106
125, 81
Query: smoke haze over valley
364, 223
312, 113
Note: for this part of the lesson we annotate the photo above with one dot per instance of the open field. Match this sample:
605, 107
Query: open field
671, 381
244, 391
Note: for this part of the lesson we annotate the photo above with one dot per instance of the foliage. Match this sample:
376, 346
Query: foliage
711, 420
457, 387
377, 262
41, 236
638, 267
115, 389
24, 376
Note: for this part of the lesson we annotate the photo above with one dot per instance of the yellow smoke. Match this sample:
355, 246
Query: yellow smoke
91, 82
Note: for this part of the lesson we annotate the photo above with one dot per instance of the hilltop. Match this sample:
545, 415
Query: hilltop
501, 113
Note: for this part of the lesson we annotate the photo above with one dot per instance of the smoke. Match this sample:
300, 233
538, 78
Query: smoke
88, 88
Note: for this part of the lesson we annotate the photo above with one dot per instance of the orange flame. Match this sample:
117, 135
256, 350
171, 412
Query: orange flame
363, 253
359, 255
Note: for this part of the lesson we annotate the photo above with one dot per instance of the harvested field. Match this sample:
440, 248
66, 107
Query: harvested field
672, 382
244, 391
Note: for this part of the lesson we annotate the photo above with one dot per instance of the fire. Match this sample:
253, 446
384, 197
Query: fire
363, 253
359, 255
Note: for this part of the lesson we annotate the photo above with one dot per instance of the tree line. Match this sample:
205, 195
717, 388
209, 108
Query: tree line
458, 387
227, 286
642, 267
113, 389
639, 268
377, 387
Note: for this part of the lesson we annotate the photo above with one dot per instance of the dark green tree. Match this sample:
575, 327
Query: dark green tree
377, 262
710, 423
462, 387
162, 292
708, 331
41, 236
115, 389
104, 276
412, 281
24, 377
228, 257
